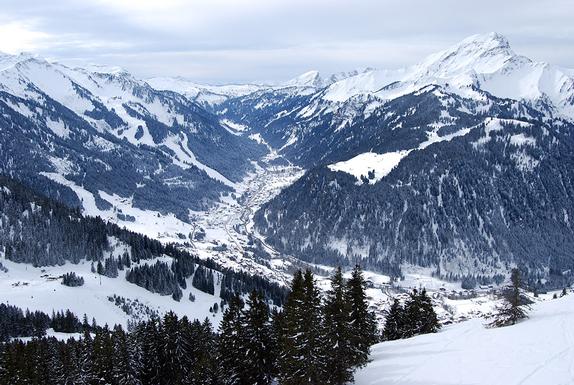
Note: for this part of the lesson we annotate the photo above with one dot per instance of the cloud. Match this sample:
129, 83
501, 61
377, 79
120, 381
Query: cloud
18, 37
246, 40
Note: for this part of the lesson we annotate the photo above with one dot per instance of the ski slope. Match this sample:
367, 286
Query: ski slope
538, 351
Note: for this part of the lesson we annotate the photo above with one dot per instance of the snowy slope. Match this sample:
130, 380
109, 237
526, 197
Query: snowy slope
382, 164
114, 101
210, 95
34, 288
201, 93
31, 288
361, 165
484, 62
102, 135
537, 351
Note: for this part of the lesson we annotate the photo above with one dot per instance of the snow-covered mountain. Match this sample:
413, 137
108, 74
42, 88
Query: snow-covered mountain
484, 62
450, 163
201, 93
478, 68
213, 95
92, 138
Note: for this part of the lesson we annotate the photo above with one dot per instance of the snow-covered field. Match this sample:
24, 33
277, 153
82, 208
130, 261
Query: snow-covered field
227, 224
34, 288
538, 351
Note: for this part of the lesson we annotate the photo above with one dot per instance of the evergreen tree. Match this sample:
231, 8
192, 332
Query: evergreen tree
417, 316
412, 315
339, 353
174, 350
84, 368
289, 329
364, 331
277, 321
394, 322
204, 370
100, 268
72, 280
513, 309
302, 360
103, 355
56, 366
150, 357
257, 339
230, 346
428, 320
313, 333
125, 370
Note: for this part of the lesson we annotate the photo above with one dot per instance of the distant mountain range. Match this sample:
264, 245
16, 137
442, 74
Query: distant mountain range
462, 163
79, 135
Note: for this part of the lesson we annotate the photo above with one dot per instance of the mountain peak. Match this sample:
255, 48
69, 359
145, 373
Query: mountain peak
8, 60
103, 69
308, 79
491, 40
484, 53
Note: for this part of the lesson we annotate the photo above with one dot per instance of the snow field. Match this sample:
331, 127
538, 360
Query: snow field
537, 351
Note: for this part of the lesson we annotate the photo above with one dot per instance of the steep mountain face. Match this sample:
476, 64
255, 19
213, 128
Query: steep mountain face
83, 137
462, 163
329, 124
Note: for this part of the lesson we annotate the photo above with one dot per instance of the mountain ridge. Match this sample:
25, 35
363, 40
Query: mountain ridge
183, 155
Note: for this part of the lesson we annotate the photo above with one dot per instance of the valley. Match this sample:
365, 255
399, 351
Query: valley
439, 176
286, 192
230, 237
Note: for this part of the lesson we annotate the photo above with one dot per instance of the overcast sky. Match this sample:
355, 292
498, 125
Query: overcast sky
219, 41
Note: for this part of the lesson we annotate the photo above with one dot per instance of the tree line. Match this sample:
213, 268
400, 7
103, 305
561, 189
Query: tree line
312, 340
14, 322
415, 316
29, 222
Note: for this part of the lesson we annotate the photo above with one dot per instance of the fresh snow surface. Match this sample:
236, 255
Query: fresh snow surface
484, 62
58, 335
381, 164
537, 351
37, 288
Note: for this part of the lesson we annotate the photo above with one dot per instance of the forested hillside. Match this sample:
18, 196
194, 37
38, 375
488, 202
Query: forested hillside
42, 232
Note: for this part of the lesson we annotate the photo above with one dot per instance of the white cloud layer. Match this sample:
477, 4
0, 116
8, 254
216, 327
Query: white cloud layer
249, 40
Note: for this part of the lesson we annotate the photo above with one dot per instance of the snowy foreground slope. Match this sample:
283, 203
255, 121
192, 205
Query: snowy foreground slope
535, 352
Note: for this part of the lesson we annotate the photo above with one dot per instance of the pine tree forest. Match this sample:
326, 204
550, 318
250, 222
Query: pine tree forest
315, 338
